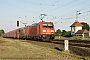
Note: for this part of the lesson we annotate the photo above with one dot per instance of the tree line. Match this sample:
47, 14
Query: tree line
63, 33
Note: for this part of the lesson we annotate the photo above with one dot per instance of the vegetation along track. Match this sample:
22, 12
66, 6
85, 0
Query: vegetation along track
81, 47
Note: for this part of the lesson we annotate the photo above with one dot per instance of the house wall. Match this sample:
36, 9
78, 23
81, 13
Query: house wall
89, 33
78, 28
75, 29
72, 30
85, 34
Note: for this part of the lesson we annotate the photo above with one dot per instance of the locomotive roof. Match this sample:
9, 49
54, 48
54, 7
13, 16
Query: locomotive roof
37, 23
34, 24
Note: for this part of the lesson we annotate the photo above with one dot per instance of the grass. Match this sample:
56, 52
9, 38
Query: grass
15, 49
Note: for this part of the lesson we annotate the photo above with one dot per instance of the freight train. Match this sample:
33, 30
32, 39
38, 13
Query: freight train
36, 31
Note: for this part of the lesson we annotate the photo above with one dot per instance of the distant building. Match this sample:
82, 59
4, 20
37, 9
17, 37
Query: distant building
76, 29
80, 32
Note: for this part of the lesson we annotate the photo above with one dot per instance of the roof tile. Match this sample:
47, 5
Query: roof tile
76, 23
82, 31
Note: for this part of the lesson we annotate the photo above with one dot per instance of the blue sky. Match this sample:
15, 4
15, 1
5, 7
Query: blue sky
61, 12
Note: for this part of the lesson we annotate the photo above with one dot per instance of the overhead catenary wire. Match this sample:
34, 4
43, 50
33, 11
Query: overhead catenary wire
69, 16
62, 6
84, 13
31, 2
72, 6
17, 7
72, 15
76, 6
58, 0
52, 5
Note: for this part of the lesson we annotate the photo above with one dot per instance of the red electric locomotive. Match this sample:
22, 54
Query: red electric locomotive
42, 30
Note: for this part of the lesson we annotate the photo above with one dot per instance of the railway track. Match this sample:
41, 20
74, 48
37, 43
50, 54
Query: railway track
81, 47
78, 43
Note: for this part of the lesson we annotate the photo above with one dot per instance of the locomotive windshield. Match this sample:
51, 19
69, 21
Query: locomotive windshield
47, 26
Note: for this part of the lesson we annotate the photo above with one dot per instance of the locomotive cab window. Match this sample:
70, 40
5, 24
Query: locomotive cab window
47, 26
50, 25
44, 25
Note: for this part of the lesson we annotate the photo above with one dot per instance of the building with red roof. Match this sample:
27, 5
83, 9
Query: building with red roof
80, 32
76, 23
76, 29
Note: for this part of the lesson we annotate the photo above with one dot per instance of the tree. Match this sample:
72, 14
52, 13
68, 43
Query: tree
63, 33
66, 33
1, 32
85, 26
58, 32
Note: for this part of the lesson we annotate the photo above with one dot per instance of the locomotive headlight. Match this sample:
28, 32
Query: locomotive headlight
52, 30
44, 30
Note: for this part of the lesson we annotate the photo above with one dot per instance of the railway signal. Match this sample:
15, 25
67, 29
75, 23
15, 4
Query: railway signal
17, 23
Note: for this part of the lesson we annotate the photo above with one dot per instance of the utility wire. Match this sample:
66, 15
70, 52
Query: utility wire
18, 7
76, 6
31, 2
62, 6
73, 13
59, 7
52, 5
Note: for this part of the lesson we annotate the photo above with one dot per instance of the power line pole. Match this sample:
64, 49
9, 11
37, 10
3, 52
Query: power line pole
77, 15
